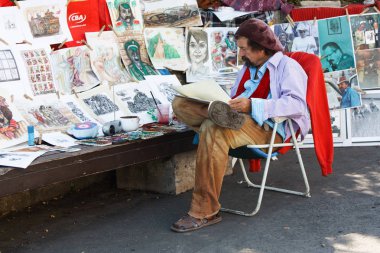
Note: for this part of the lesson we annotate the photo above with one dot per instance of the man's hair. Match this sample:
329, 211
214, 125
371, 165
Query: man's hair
332, 44
198, 36
256, 47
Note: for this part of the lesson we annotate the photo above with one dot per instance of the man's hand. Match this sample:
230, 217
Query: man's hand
241, 104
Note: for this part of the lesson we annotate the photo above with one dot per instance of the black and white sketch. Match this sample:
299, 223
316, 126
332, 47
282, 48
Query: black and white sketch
100, 104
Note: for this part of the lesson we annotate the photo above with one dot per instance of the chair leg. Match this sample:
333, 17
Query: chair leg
265, 173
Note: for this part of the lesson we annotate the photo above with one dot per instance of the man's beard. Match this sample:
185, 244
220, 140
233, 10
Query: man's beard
247, 62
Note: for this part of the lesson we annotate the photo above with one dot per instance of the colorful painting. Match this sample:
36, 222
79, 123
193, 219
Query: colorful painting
38, 66
45, 21
166, 48
171, 13
222, 47
102, 104
47, 113
105, 58
11, 25
138, 99
365, 31
134, 55
343, 90
13, 127
336, 44
125, 15
72, 70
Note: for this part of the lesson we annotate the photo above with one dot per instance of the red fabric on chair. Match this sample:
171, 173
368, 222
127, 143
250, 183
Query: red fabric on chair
319, 109
303, 14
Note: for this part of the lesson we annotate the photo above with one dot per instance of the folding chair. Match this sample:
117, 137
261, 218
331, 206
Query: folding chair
254, 152
320, 121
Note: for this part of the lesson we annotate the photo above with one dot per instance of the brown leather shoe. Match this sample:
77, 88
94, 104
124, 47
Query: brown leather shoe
221, 114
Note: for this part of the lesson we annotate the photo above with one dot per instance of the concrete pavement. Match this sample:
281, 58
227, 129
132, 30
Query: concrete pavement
343, 215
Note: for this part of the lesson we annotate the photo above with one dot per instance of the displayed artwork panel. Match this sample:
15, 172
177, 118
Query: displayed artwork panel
38, 67
197, 55
45, 21
11, 25
368, 67
72, 70
138, 99
166, 48
365, 120
365, 31
171, 13
47, 113
343, 90
77, 109
335, 44
102, 103
8, 68
135, 56
222, 48
303, 37
13, 127
125, 15
105, 58
161, 86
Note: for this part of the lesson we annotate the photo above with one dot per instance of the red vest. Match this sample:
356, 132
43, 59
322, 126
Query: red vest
262, 90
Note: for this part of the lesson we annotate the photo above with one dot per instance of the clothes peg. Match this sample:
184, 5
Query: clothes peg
17, 4
101, 30
207, 24
111, 27
290, 20
315, 20
40, 139
4, 41
58, 95
364, 11
87, 45
27, 97
12, 98
62, 43
27, 42
347, 14
376, 9
75, 93
68, 2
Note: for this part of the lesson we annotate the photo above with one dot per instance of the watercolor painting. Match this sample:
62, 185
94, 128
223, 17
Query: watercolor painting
13, 127
125, 15
135, 56
166, 48
45, 21
72, 70
105, 58
171, 13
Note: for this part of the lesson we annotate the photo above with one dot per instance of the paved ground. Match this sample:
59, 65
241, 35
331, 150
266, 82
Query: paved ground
343, 215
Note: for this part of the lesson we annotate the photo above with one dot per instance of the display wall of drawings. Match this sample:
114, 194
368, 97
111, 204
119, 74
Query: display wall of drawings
125, 15
135, 56
302, 37
72, 70
102, 104
46, 113
105, 58
45, 21
166, 48
171, 13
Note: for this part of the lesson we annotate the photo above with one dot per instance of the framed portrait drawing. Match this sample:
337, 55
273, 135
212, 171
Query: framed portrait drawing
334, 26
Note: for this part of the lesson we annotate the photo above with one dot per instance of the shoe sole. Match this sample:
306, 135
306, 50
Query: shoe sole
221, 114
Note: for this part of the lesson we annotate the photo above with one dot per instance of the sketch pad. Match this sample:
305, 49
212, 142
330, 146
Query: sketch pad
203, 91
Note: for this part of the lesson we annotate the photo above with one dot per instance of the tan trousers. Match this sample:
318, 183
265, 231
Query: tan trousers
212, 153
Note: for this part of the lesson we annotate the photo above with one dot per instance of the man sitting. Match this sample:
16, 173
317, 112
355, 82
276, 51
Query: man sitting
269, 85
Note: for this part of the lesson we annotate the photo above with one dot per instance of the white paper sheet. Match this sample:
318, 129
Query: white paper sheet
11, 29
59, 139
18, 159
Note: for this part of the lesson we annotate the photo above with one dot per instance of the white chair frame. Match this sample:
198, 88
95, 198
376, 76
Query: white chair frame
295, 144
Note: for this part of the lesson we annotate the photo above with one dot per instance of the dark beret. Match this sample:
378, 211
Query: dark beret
259, 32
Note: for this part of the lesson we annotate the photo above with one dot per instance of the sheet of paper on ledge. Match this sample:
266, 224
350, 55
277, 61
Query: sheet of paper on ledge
229, 15
203, 91
18, 159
